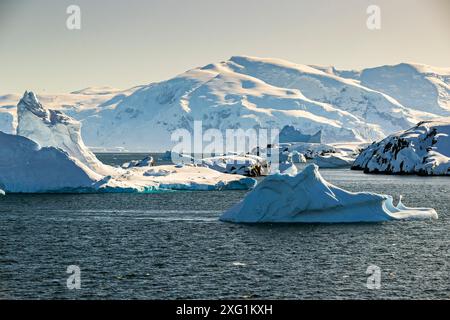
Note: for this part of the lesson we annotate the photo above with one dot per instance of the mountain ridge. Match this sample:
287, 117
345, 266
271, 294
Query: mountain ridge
250, 92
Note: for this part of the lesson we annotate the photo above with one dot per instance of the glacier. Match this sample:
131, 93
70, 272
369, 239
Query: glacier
49, 155
306, 197
423, 149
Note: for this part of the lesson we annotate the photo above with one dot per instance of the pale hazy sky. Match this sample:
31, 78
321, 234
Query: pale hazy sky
126, 43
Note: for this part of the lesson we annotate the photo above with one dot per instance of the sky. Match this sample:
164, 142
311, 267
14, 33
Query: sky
126, 43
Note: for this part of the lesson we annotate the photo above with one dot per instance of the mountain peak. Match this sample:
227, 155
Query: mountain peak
31, 103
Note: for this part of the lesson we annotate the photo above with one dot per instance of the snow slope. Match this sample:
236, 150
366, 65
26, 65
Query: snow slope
415, 86
249, 92
222, 99
423, 149
306, 197
346, 94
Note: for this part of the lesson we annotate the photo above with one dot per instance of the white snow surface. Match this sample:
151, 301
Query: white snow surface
416, 86
306, 197
249, 92
423, 149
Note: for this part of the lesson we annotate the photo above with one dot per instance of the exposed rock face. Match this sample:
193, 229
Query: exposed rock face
423, 149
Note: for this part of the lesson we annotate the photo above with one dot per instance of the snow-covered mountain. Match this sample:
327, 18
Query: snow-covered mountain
52, 128
415, 86
306, 197
247, 92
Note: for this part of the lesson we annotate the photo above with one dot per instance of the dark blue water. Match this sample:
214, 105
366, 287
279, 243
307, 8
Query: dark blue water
171, 245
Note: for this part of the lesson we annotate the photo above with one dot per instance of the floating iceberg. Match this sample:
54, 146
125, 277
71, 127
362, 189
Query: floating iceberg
51, 157
423, 149
2, 193
306, 197
26, 167
51, 128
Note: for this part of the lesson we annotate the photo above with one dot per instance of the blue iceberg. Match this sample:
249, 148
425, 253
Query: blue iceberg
306, 197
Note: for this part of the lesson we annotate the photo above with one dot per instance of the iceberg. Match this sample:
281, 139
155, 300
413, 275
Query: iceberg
49, 155
2, 193
423, 149
306, 197
27, 167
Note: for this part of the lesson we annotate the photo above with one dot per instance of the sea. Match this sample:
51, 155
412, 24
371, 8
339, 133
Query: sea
171, 245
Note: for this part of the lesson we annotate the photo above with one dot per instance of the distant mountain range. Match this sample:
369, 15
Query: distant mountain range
247, 92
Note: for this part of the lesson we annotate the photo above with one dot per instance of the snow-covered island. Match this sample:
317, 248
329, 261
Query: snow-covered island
306, 197
423, 150
49, 155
